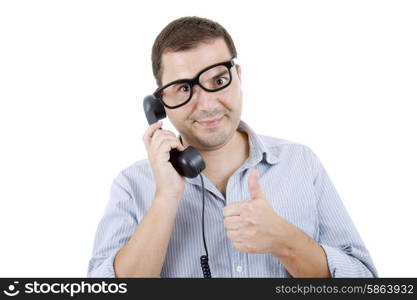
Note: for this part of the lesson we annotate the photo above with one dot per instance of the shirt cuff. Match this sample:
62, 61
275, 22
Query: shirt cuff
103, 270
344, 265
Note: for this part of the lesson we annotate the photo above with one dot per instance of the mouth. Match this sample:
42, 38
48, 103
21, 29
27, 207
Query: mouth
210, 122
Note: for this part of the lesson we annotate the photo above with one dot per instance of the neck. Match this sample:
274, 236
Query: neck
223, 162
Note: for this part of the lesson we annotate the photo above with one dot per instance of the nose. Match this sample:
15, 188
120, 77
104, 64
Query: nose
205, 101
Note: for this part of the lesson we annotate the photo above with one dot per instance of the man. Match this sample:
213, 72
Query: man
271, 209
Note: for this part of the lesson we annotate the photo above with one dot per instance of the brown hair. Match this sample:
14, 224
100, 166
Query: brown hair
183, 34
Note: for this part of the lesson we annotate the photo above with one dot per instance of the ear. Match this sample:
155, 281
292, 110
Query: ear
238, 69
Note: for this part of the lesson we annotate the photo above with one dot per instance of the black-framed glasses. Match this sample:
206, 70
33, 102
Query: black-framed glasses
211, 79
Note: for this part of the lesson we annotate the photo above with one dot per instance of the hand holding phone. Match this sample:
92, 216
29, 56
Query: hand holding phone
159, 143
186, 162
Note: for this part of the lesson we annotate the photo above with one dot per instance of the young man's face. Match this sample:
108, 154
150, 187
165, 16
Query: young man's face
204, 106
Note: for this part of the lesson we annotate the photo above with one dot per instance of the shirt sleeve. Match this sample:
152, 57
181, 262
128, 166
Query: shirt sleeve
346, 253
114, 229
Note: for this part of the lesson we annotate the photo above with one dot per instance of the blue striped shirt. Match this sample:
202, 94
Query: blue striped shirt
294, 182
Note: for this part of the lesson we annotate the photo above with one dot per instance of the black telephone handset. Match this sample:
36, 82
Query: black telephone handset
189, 162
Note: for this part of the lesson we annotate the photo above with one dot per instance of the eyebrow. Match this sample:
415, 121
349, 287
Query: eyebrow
184, 80
221, 74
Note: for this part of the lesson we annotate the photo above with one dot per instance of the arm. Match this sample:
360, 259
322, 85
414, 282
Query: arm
254, 227
114, 230
302, 256
345, 251
122, 248
144, 254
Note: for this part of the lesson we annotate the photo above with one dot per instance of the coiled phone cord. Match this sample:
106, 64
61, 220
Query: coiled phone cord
204, 258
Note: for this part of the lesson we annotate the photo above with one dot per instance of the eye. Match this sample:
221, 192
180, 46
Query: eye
220, 81
184, 88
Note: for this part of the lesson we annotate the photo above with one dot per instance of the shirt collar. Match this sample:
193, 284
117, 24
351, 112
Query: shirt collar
258, 150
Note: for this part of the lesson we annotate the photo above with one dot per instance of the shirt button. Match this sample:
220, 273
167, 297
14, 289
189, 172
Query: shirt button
239, 269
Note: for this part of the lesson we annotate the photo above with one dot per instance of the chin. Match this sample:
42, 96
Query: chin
213, 138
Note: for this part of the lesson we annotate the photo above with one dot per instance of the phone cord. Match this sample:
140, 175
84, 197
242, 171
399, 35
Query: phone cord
204, 258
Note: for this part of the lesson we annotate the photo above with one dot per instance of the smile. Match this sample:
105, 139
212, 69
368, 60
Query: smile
210, 123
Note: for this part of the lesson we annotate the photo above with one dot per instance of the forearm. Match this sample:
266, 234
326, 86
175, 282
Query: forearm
302, 256
144, 254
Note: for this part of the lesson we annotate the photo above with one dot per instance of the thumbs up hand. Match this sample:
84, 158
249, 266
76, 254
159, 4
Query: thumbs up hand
253, 226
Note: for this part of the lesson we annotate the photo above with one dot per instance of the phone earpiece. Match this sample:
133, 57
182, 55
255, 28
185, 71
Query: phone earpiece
154, 109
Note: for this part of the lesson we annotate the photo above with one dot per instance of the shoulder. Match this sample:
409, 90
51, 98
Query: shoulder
283, 147
135, 177
293, 155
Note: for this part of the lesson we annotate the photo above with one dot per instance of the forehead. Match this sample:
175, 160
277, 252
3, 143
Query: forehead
186, 64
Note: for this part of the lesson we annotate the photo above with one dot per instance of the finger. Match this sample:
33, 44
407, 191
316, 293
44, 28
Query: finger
166, 143
233, 209
255, 188
238, 246
150, 131
160, 135
161, 132
242, 247
233, 235
233, 223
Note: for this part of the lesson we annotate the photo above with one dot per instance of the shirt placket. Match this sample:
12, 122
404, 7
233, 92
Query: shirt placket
238, 259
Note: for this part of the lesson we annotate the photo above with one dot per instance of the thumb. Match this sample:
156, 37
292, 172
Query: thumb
255, 189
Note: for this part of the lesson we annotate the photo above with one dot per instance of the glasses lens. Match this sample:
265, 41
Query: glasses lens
215, 78
176, 94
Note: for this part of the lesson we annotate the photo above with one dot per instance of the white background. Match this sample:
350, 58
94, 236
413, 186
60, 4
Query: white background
337, 76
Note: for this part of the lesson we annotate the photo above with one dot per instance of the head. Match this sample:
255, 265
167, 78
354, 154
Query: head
184, 48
